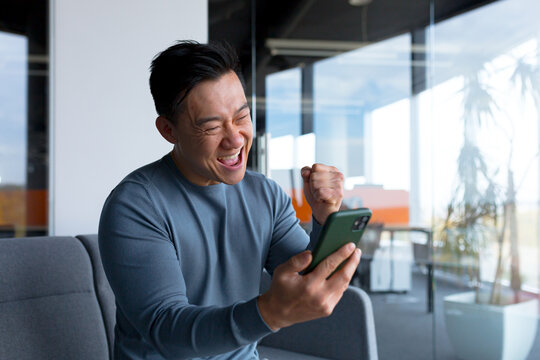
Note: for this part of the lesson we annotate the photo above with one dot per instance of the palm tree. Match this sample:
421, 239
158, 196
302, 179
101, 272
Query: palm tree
526, 76
474, 209
472, 212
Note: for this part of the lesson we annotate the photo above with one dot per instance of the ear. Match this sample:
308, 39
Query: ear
166, 129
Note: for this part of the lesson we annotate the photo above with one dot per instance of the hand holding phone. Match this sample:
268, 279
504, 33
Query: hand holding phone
294, 298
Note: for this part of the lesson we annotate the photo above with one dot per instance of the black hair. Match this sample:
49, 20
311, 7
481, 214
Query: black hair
178, 69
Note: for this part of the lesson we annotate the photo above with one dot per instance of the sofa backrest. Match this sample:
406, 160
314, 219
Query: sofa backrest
56, 303
48, 302
104, 292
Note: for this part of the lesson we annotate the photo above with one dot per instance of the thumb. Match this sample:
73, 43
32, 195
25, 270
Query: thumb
306, 173
298, 262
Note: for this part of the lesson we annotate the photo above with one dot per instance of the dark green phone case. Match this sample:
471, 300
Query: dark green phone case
338, 230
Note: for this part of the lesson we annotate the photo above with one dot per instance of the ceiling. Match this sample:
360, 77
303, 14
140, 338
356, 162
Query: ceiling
333, 21
28, 18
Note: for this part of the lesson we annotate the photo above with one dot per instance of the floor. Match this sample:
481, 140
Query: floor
405, 330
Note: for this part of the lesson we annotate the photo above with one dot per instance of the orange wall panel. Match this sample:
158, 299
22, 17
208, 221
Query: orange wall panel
390, 207
36, 208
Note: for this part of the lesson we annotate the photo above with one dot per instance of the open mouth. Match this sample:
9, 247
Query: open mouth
233, 160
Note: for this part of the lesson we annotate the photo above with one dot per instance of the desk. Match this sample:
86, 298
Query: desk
427, 261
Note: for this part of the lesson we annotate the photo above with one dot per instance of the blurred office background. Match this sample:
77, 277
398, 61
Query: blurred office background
431, 109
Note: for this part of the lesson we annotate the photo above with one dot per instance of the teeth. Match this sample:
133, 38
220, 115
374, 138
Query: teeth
229, 157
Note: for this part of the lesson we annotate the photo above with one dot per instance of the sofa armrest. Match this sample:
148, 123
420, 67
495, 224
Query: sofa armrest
349, 333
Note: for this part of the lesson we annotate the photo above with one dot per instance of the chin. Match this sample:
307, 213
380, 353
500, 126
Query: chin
234, 179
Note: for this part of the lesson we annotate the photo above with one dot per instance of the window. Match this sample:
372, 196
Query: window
23, 118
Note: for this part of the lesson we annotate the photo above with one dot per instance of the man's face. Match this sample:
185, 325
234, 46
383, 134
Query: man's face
214, 132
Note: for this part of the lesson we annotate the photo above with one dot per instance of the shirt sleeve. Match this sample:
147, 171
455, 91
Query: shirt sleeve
315, 233
144, 271
288, 237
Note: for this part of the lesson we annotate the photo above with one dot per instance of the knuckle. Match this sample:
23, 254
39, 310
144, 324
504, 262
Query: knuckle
342, 278
310, 291
279, 277
318, 304
296, 261
315, 183
338, 180
344, 283
327, 309
332, 265
316, 176
347, 251
324, 193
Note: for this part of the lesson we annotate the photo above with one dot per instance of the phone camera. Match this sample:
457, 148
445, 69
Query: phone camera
358, 224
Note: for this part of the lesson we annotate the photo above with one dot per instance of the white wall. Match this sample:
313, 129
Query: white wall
102, 113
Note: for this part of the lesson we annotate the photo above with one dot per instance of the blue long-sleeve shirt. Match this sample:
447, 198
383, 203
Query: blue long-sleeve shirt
185, 261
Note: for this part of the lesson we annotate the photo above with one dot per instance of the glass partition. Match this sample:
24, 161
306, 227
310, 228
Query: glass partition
353, 111
13, 129
431, 112
486, 95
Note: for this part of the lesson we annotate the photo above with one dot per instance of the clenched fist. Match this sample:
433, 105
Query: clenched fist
323, 188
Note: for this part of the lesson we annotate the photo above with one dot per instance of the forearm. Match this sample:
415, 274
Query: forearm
193, 331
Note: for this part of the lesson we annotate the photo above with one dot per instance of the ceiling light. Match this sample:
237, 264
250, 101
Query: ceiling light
359, 2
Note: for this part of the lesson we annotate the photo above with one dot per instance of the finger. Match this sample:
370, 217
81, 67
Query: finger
330, 177
297, 263
341, 278
320, 168
326, 187
332, 261
306, 173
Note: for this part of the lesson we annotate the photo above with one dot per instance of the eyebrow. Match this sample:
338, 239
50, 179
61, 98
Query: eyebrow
204, 120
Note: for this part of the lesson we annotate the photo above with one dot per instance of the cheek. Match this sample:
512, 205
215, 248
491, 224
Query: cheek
207, 147
247, 131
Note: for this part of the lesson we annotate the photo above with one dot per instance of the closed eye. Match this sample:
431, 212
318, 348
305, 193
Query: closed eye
245, 117
211, 129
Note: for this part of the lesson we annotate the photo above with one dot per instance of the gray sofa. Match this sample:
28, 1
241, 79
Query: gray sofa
55, 303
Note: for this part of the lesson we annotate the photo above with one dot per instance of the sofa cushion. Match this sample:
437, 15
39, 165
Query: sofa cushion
48, 306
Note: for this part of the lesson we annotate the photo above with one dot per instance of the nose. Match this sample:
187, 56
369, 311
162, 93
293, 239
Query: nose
232, 139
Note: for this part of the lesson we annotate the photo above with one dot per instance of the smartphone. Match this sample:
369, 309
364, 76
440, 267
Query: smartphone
339, 229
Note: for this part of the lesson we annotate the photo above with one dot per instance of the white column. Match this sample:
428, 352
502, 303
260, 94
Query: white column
414, 194
331, 146
102, 114
368, 147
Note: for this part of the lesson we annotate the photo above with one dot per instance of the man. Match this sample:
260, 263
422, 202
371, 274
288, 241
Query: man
184, 240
